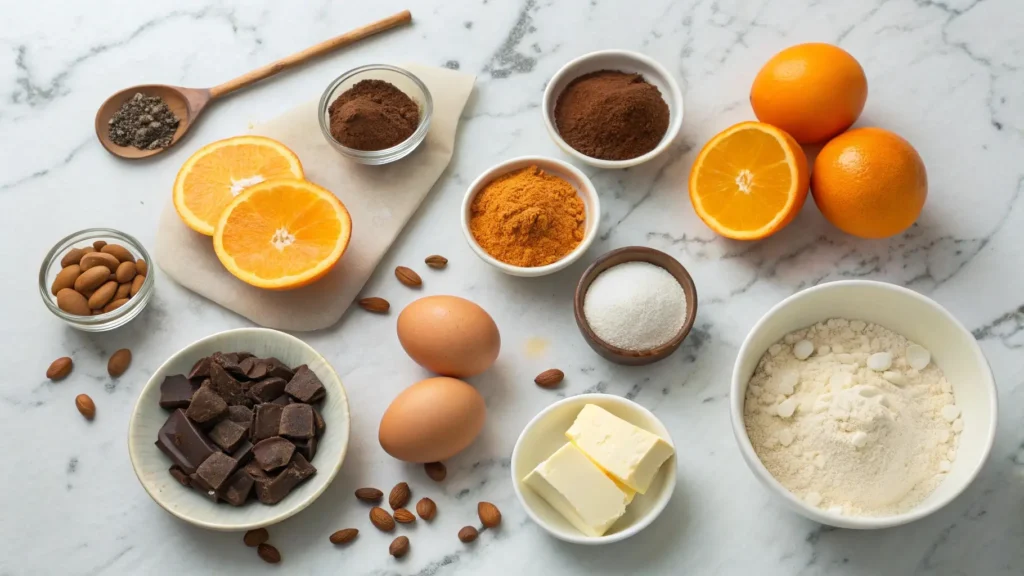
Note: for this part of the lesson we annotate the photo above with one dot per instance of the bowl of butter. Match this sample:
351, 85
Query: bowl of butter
594, 468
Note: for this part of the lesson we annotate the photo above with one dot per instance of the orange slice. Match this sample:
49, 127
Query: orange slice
749, 181
212, 177
282, 234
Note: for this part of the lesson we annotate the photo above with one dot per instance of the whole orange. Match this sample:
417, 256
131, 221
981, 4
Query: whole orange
869, 182
812, 91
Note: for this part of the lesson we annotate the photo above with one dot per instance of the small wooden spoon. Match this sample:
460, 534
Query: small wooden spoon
188, 103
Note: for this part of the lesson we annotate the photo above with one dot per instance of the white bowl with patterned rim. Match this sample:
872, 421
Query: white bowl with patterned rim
151, 464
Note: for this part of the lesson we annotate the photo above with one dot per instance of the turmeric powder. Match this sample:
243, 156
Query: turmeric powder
528, 218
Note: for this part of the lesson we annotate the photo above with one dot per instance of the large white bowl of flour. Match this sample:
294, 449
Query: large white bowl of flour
906, 313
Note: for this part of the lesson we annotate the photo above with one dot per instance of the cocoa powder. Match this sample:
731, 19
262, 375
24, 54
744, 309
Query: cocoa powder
611, 115
373, 115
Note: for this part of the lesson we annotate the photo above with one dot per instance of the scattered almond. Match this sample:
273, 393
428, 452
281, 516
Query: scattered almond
59, 369
268, 553
403, 516
375, 305
369, 494
408, 277
436, 471
141, 267
489, 514
98, 245
86, 406
549, 378
399, 496
436, 261
119, 362
426, 508
344, 536
380, 518
400, 547
254, 538
468, 534
65, 278
117, 251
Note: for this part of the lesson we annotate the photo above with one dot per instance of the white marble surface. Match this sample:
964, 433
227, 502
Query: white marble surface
946, 74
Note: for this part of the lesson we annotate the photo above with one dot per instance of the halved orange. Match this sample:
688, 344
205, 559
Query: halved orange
282, 234
749, 181
212, 177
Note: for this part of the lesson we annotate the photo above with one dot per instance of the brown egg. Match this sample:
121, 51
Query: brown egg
432, 420
449, 335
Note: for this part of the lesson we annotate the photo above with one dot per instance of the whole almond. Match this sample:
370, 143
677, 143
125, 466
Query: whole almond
468, 534
114, 305
254, 538
119, 362
74, 256
408, 277
375, 305
399, 496
103, 295
123, 291
549, 378
59, 369
73, 302
426, 508
65, 278
369, 494
344, 536
137, 283
489, 514
403, 516
125, 272
268, 553
436, 261
380, 518
94, 259
117, 251
98, 245
399, 547
436, 471
141, 267
112, 277
86, 406
91, 279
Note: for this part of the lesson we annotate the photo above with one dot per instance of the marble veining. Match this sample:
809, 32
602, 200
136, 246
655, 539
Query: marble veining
945, 74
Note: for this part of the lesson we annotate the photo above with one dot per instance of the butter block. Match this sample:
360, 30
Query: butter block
578, 490
629, 454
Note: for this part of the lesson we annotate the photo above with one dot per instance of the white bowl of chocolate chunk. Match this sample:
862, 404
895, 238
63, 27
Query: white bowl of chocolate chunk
240, 430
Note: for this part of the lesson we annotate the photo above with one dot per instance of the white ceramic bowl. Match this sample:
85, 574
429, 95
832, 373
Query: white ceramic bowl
584, 188
546, 433
151, 464
624, 61
920, 320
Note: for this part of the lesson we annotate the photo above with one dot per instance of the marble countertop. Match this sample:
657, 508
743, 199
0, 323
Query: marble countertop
946, 74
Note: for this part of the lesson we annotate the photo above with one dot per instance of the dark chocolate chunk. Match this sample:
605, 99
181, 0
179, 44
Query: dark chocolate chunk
243, 355
274, 490
200, 369
216, 469
305, 386
267, 389
283, 400
247, 364
202, 487
267, 422
176, 392
179, 475
278, 369
273, 453
228, 435
183, 442
243, 453
318, 421
253, 469
227, 387
241, 415
297, 421
237, 488
206, 406
306, 447
229, 362
302, 467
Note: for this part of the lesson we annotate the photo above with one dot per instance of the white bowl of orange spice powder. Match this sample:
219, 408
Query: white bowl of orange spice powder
531, 216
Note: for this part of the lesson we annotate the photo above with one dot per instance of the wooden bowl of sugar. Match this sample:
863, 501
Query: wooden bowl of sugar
637, 315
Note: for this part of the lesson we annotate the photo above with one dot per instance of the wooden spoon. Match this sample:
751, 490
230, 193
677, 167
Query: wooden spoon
188, 103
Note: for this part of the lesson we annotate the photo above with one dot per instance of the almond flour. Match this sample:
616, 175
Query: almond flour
852, 418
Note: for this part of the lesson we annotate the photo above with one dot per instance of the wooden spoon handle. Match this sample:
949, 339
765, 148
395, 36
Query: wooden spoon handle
324, 47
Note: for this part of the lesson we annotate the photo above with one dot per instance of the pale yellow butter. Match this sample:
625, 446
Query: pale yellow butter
627, 453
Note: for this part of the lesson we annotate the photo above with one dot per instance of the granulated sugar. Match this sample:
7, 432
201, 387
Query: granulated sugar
852, 418
635, 306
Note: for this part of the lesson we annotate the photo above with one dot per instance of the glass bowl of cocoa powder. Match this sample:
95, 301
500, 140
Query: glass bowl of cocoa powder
375, 114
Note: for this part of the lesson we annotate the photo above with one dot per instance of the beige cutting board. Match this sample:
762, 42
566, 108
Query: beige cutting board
381, 199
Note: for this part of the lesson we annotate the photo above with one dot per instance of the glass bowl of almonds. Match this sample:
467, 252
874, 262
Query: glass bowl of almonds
96, 279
